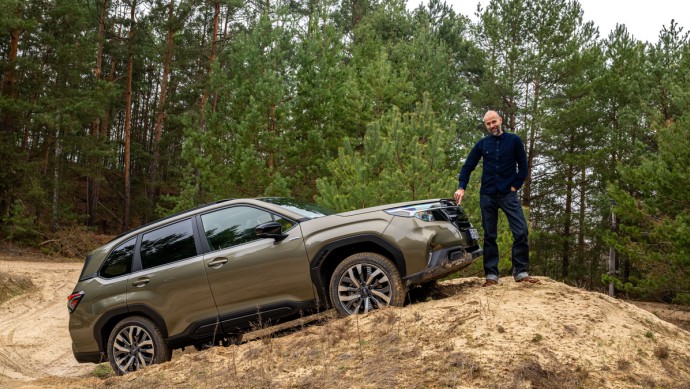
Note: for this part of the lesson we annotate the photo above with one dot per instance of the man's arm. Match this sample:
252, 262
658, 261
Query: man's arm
466, 170
521, 160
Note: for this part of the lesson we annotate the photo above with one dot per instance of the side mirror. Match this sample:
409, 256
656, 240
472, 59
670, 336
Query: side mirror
271, 230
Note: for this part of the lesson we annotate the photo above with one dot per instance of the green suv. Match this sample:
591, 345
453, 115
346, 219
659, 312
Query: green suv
206, 275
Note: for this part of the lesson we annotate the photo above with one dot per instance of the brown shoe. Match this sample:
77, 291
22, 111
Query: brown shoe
529, 279
489, 282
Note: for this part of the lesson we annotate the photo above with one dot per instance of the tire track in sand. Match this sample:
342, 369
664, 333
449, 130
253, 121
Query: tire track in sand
34, 339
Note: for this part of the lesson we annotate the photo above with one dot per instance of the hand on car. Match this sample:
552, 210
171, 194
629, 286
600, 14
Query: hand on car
459, 194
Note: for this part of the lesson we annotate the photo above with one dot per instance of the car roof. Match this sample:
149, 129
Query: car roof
212, 205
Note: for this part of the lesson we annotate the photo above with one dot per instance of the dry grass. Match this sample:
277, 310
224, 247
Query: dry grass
554, 377
73, 242
464, 336
13, 285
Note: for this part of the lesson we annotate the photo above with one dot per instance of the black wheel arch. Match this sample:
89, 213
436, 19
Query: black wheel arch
331, 254
108, 320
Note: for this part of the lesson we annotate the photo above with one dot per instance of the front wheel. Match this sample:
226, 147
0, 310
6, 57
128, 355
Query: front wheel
134, 343
364, 282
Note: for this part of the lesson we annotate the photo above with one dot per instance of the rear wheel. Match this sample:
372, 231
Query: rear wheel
134, 343
364, 282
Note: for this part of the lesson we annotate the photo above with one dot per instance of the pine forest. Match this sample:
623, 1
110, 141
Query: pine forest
114, 113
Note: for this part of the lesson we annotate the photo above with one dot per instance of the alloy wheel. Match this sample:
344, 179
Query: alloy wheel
362, 288
133, 349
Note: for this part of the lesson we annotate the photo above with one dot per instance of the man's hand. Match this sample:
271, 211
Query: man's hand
459, 194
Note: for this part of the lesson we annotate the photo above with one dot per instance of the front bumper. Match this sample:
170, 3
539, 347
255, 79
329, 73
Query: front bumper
444, 262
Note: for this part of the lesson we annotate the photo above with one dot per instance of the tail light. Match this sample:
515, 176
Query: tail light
73, 300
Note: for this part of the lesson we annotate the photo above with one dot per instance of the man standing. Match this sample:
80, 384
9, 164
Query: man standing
504, 172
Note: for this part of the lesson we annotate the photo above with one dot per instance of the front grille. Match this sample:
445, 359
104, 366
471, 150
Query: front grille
462, 225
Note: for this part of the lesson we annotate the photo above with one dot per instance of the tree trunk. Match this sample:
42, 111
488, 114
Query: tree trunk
531, 142
56, 180
567, 223
160, 117
207, 81
9, 80
581, 221
211, 59
92, 180
128, 117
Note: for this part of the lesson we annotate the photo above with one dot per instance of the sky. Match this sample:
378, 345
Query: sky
643, 18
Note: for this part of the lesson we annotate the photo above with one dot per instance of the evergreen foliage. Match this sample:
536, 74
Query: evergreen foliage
349, 103
402, 158
655, 218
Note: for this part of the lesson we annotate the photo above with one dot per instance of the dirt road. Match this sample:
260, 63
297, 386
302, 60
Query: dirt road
34, 340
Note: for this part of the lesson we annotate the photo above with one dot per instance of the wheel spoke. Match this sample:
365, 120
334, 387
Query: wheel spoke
353, 278
359, 304
120, 348
382, 296
373, 275
350, 297
361, 274
130, 335
342, 288
148, 342
126, 367
142, 361
122, 339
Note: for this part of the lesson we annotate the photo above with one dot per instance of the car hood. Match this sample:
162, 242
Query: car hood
387, 206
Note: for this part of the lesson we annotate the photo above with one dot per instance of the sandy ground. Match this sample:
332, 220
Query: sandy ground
492, 337
34, 341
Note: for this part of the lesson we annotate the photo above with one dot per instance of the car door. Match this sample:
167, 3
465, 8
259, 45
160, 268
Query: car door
171, 280
254, 278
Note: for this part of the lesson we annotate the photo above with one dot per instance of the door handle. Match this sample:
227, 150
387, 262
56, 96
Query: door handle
141, 282
218, 262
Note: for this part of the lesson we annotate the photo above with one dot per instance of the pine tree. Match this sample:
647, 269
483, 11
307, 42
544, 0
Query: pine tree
403, 158
655, 218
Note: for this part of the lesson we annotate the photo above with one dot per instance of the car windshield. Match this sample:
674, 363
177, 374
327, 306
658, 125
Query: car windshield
311, 211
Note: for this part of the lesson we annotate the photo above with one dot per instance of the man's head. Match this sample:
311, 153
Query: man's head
493, 123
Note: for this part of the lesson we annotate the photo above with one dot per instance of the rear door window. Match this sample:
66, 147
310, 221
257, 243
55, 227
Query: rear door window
171, 243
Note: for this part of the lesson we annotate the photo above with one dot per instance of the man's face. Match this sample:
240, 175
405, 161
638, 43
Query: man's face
493, 123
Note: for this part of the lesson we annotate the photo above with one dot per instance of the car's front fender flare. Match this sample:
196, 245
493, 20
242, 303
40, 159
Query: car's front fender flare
352, 244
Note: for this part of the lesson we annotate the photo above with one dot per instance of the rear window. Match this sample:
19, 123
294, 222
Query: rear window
119, 261
171, 243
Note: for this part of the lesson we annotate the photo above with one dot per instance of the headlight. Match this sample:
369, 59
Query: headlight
420, 211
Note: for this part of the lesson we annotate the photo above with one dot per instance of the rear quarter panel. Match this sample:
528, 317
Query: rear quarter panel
100, 295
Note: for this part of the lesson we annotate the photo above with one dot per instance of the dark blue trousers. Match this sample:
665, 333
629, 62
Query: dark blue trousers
510, 205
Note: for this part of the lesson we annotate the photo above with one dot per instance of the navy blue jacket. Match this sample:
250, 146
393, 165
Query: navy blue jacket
505, 164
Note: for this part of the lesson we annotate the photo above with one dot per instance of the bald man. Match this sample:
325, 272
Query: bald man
503, 173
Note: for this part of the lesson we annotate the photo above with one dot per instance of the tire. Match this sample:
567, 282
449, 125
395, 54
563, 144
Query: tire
134, 343
363, 282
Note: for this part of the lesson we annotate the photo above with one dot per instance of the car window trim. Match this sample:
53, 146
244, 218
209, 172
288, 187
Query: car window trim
206, 247
140, 237
107, 257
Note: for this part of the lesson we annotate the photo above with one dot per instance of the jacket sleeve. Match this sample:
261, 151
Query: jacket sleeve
521, 159
469, 165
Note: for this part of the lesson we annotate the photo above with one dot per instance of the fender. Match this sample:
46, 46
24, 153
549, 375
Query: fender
321, 258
